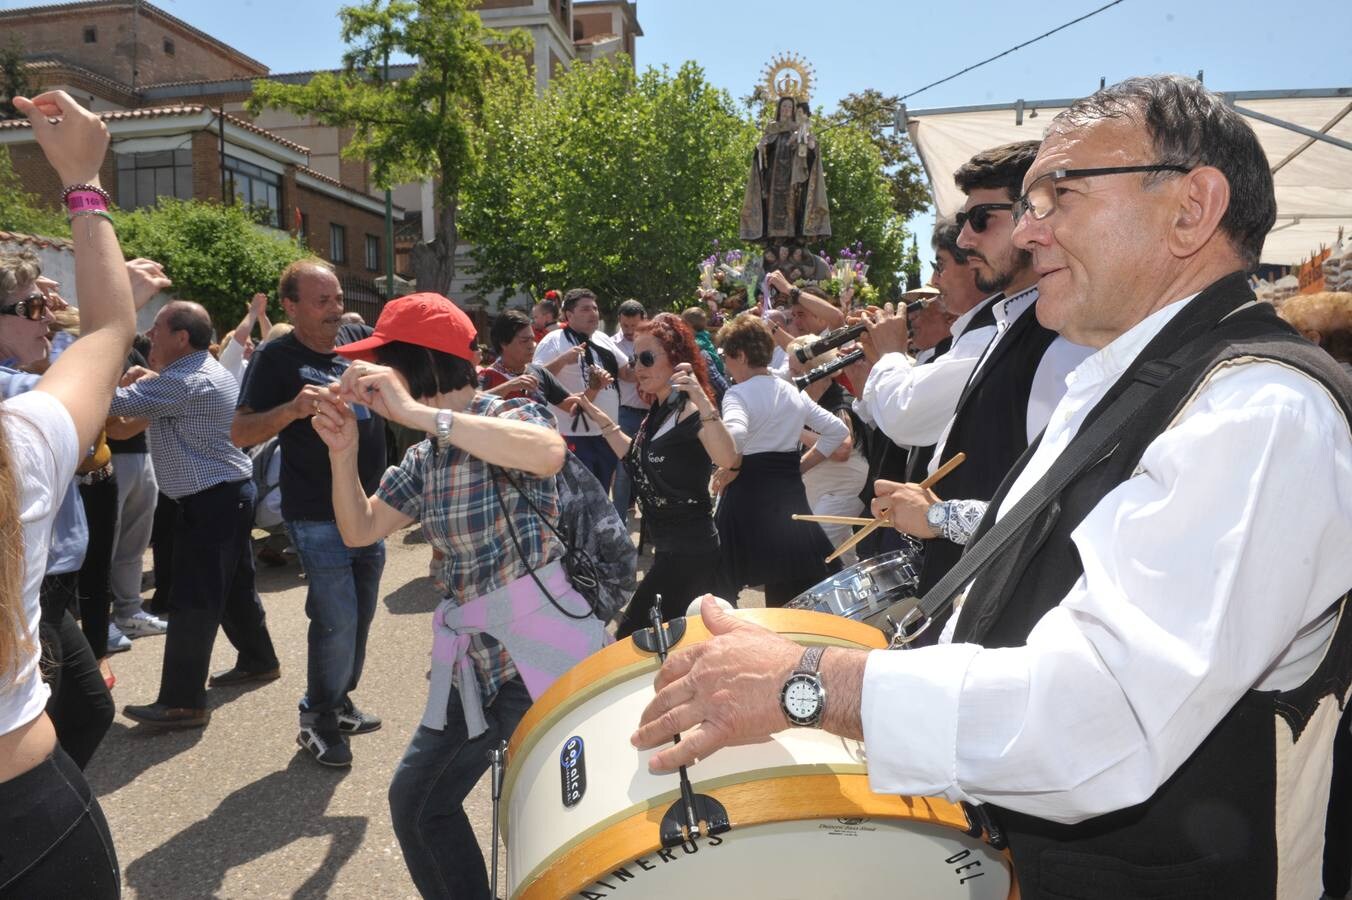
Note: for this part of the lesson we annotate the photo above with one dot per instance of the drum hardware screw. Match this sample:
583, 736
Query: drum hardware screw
682, 823
497, 757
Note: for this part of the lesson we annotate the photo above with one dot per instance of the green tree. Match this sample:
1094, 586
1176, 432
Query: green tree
612, 180
217, 255
861, 203
425, 125
875, 114
23, 212
13, 79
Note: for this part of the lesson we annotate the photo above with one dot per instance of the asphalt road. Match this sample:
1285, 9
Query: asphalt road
236, 809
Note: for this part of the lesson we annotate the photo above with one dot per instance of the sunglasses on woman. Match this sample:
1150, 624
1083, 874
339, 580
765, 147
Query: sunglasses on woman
31, 308
980, 215
646, 358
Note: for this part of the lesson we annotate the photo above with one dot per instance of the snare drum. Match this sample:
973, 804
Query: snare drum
869, 591
583, 812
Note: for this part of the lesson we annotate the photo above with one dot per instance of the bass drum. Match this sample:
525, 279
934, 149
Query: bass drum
583, 812
869, 591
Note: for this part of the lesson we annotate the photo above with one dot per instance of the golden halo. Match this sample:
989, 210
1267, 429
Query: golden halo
789, 75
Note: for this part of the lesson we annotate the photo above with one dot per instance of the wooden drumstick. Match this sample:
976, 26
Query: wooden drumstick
831, 520
882, 520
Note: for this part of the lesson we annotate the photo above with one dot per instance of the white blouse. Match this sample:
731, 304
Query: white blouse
766, 414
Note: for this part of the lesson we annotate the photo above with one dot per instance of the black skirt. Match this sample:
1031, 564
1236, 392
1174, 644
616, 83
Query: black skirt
760, 542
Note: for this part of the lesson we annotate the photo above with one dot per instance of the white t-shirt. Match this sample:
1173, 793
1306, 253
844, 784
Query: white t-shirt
766, 414
44, 448
608, 401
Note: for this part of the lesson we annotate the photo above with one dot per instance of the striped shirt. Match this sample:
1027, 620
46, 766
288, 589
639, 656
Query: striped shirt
455, 497
190, 406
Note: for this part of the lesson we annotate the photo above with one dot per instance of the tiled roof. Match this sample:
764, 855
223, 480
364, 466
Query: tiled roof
56, 63
145, 7
32, 240
169, 111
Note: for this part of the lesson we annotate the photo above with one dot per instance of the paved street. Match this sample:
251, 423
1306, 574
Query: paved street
237, 809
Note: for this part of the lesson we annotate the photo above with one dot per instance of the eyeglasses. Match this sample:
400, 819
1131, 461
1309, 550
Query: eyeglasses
1039, 200
646, 358
979, 216
31, 308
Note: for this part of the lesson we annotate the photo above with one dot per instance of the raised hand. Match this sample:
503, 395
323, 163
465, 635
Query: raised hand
74, 140
380, 388
147, 280
334, 421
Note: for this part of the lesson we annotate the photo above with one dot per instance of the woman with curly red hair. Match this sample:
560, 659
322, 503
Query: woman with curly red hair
669, 460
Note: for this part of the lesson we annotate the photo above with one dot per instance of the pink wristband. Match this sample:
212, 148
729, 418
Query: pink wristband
78, 201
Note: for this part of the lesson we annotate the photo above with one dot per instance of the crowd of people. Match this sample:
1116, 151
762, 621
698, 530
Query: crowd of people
1118, 639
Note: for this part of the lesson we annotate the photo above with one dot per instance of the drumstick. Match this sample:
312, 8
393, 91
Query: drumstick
831, 520
882, 520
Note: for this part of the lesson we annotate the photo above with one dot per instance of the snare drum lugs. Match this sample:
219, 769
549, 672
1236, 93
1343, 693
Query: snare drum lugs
805, 823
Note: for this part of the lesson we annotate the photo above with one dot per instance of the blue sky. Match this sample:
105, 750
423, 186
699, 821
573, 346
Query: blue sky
897, 46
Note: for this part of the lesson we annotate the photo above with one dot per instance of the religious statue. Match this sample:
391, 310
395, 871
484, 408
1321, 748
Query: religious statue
786, 191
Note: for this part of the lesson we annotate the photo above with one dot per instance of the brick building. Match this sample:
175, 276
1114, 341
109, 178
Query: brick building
174, 96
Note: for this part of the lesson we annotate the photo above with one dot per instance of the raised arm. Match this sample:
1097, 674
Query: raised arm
74, 141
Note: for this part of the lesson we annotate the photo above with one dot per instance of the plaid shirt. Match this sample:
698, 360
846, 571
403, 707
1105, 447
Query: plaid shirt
190, 407
454, 496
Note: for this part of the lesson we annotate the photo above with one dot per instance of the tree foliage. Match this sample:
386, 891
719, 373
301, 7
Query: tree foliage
217, 255
424, 125
14, 80
613, 180
874, 113
861, 203
23, 212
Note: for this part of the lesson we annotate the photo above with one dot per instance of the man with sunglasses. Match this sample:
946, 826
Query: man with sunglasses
1010, 387
1142, 682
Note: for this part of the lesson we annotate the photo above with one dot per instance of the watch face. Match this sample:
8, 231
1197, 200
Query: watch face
802, 699
935, 516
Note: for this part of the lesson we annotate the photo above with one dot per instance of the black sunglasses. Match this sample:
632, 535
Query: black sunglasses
31, 308
646, 358
979, 216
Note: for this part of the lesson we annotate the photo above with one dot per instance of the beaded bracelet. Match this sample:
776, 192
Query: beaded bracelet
85, 189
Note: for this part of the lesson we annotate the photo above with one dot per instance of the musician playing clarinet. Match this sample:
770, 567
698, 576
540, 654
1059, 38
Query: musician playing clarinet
1141, 683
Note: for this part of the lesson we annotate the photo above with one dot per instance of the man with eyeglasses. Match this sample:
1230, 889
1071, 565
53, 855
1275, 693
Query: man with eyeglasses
1008, 389
1141, 685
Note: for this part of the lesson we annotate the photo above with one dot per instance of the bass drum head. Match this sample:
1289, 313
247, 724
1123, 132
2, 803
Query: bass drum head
816, 859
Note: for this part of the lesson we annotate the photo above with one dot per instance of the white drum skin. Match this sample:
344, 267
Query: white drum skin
804, 823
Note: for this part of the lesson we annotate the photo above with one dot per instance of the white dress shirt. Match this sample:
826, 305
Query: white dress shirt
913, 404
628, 389
1049, 381
1207, 573
608, 401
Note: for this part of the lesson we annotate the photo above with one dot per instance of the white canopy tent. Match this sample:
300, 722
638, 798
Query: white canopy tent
1313, 176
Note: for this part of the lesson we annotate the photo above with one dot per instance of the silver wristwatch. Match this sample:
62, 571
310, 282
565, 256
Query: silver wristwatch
445, 419
803, 697
937, 516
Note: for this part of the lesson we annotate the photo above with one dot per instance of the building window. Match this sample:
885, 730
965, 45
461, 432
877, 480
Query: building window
304, 226
372, 253
142, 178
168, 47
337, 244
91, 34
256, 188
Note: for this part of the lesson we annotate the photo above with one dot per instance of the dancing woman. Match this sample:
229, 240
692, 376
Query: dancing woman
479, 484
669, 460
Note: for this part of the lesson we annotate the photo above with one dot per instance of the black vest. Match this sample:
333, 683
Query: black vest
1208, 832
991, 427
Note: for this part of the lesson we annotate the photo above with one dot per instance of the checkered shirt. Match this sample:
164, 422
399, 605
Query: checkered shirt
190, 407
452, 494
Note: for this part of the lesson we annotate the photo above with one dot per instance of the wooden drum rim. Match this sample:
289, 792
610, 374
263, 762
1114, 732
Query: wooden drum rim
622, 661
797, 797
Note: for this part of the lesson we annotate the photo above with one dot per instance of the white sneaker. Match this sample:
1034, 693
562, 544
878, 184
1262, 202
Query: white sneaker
142, 624
117, 641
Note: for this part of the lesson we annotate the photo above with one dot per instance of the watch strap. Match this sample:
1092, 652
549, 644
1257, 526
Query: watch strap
810, 661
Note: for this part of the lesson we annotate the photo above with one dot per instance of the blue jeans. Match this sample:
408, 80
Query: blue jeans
594, 453
438, 771
340, 603
630, 418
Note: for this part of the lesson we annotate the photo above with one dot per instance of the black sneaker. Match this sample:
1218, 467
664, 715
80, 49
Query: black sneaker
354, 721
329, 748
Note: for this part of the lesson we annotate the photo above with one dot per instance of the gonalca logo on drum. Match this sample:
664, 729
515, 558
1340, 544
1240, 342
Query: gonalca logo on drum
573, 771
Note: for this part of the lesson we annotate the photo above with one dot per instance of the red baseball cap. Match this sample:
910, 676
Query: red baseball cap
427, 320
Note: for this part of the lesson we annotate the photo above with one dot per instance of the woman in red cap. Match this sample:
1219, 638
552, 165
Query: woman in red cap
480, 485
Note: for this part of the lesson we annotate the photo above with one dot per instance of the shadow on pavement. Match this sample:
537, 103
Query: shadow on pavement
129, 750
255, 820
417, 596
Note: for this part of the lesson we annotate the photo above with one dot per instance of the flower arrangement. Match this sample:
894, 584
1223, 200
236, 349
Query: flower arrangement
732, 274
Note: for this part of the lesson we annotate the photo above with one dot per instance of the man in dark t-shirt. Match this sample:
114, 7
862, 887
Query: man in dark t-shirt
278, 398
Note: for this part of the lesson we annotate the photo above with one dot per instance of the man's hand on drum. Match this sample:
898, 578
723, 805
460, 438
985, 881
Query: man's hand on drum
718, 693
905, 506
